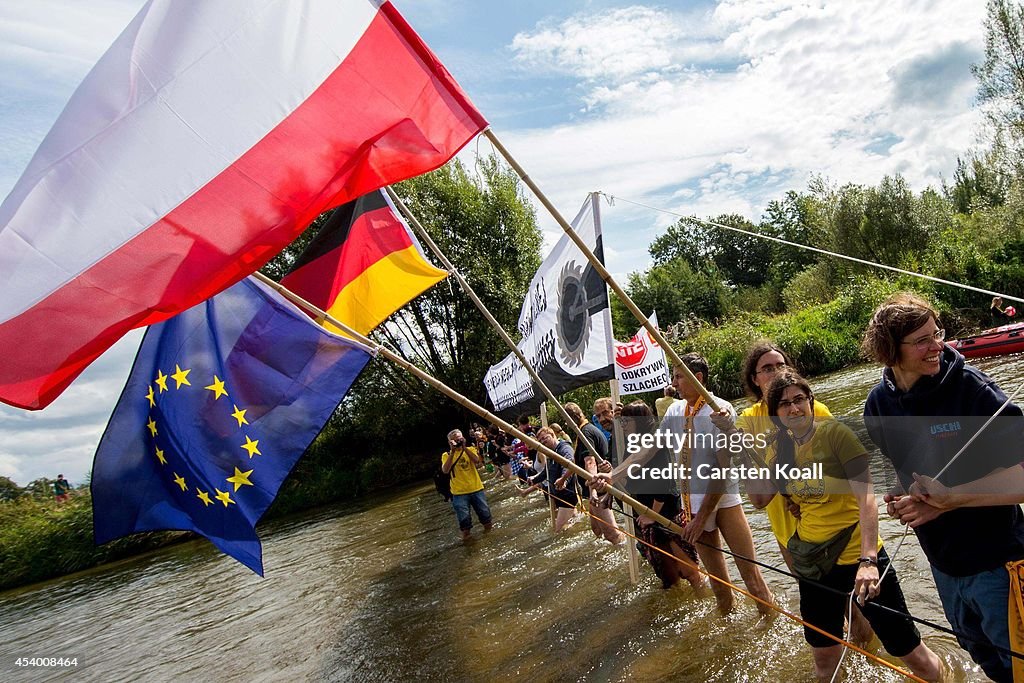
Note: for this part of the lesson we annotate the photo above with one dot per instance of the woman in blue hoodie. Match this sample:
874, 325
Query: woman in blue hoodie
927, 406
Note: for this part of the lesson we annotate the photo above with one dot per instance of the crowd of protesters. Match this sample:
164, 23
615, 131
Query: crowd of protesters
824, 514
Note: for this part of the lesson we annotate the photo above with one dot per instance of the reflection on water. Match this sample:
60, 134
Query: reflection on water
383, 591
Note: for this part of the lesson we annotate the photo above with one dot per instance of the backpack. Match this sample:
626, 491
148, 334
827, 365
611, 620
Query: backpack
443, 482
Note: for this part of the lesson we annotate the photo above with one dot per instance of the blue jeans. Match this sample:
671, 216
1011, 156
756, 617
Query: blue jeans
976, 606
461, 503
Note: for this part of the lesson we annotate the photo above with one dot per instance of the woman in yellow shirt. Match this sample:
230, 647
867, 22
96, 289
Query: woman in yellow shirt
764, 360
836, 542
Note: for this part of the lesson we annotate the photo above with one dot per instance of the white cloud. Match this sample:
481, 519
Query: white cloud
612, 45
62, 438
705, 112
774, 92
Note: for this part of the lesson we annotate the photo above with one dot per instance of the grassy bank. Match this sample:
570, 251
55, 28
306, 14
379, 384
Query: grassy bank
821, 338
41, 539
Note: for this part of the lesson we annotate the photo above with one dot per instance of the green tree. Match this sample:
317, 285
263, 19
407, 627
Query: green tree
977, 184
794, 218
739, 258
675, 291
39, 488
487, 229
9, 490
1001, 80
885, 224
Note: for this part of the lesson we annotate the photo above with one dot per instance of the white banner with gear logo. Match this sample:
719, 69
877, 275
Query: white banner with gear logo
565, 323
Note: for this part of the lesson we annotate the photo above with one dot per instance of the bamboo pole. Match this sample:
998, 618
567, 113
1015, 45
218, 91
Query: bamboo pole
634, 559
601, 270
552, 510
485, 312
437, 384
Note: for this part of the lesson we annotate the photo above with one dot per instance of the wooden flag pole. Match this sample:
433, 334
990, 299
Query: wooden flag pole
380, 350
418, 227
601, 270
634, 559
552, 510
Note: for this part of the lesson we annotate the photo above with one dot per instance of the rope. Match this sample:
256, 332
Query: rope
829, 589
771, 605
797, 245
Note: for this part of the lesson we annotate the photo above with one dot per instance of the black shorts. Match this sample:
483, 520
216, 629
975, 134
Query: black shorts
826, 609
565, 499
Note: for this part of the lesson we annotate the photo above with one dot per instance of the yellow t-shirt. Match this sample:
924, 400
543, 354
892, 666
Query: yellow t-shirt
662, 404
755, 420
824, 514
465, 478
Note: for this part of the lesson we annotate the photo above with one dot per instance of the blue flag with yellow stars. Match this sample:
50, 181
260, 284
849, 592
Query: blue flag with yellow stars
222, 401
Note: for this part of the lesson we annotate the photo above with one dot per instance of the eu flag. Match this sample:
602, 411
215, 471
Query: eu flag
222, 400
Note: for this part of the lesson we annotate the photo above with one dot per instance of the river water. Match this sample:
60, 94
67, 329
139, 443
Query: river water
382, 591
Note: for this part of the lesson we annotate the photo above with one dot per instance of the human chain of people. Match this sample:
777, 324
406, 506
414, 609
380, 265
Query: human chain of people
686, 464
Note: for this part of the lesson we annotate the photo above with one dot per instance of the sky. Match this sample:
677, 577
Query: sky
700, 108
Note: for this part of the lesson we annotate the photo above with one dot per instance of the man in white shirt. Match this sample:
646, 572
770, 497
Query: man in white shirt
713, 503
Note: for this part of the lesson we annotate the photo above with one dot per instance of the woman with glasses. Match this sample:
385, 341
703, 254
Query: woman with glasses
926, 408
835, 544
764, 360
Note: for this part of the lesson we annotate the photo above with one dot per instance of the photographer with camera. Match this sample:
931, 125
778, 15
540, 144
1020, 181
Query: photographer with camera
460, 461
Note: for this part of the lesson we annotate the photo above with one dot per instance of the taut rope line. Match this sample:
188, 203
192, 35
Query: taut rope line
772, 605
807, 247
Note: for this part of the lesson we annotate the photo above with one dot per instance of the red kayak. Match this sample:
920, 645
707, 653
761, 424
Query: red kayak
994, 342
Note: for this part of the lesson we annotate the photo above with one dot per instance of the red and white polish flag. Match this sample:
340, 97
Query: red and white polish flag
207, 137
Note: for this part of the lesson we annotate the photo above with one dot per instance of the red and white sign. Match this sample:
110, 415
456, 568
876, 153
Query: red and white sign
633, 352
640, 363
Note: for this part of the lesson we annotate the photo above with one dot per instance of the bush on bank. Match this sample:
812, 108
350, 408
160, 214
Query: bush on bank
820, 338
41, 539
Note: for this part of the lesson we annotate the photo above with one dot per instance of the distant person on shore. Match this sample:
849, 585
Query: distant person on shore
467, 489
1001, 315
61, 489
968, 548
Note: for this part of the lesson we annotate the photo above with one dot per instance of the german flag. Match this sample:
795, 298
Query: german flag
363, 265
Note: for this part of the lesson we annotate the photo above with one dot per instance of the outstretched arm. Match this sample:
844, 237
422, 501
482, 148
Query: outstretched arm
1002, 487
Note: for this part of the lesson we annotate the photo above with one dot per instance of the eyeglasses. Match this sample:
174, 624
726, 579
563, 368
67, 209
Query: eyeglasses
797, 400
771, 369
923, 343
